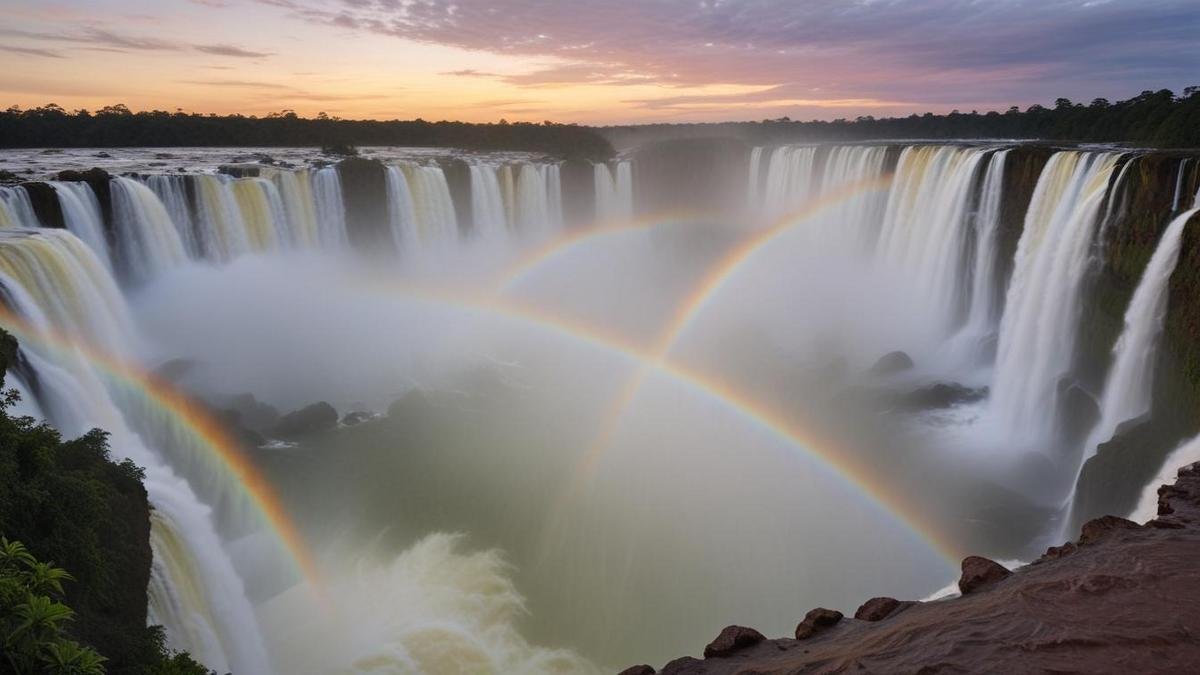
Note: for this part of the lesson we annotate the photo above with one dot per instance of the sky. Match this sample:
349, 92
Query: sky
591, 61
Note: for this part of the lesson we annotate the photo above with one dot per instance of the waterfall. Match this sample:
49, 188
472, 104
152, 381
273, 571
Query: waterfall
487, 203
81, 214
402, 217
1179, 184
970, 343
538, 206
753, 189
262, 213
1038, 329
331, 212
614, 192
790, 180
15, 208
221, 232
172, 191
432, 205
1147, 507
1127, 390
147, 242
296, 192
924, 228
55, 283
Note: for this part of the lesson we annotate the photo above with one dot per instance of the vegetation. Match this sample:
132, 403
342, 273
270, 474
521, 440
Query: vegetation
117, 126
1153, 118
68, 503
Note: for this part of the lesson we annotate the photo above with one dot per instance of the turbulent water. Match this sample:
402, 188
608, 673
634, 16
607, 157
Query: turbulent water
645, 426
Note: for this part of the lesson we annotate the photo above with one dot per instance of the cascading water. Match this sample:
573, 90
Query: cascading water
172, 191
401, 216
790, 180
487, 203
614, 191
295, 190
147, 241
331, 212
263, 213
969, 345
55, 283
15, 208
432, 206
925, 227
81, 214
1127, 391
1037, 332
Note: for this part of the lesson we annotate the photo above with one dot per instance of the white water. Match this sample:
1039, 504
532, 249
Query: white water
81, 215
331, 212
1127, 391
969, 345
147, 241
172, 192
15, 208
433, 207
487, 203
614, 192
1038, 330
925, 226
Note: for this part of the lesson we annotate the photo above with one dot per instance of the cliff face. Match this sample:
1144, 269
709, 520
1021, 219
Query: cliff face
1122, 598
73, 506
364, 193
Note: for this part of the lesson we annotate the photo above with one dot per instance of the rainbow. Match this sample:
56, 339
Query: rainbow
875, 488
194, 419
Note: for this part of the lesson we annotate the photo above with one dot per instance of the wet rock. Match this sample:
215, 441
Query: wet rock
46, 207
979, 572
357, 417
817, 620
312, 419
8, 177
637, 670
1056, 552
878, 609
1098, 528
892, 363
731, 639
238, 171
683, 666
940, 395
255, 414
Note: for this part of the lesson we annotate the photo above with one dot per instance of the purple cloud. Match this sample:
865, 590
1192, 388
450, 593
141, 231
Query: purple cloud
231, 50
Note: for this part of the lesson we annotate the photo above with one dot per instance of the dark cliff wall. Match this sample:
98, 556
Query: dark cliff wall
707, 176
364, 194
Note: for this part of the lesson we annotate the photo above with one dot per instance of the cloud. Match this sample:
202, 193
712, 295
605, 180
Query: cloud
898, 50
231, 50
97, 38
235, 83
31, 51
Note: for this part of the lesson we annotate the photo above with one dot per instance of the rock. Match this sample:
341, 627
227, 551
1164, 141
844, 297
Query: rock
731, 639
414, 404
1098, 528
174, 370
817, 620
357, 417
940, 395
891, 363
255, 414
313, 419
978, 572
238, 171
683, 665
1056, 552
877, 609
637, 670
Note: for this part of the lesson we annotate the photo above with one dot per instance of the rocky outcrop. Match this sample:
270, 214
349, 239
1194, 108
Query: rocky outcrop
45, 204
892, 363
1121, 598
312, 419
364, 193
731, 640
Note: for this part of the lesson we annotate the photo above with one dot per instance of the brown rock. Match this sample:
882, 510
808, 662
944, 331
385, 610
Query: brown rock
637, 670
877, 609
1056, 552
1098, 528
978, 572
817, 620
731, 639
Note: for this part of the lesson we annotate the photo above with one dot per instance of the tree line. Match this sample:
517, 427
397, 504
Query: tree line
51, 126
1152, 118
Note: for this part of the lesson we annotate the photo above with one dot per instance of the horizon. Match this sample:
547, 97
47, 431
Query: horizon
611, 63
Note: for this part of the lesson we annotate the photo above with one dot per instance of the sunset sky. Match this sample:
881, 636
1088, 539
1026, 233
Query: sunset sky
591, 61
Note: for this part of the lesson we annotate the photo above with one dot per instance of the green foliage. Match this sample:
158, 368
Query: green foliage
117, 126
1153, 118
33, 621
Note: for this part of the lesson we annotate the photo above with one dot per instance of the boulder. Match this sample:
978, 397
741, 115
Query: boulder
817, 620
255, 414
637, 670
1098, 528
877, 609
979, 572
891, 363
313, 419
940, 395
357, 417
731, 639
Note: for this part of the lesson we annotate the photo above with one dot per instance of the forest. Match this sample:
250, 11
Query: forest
50, 126
1159, 119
